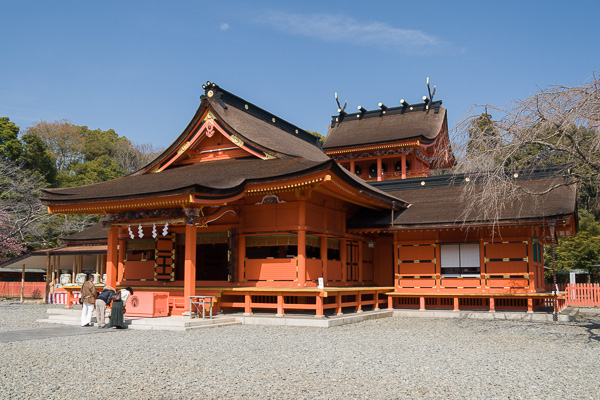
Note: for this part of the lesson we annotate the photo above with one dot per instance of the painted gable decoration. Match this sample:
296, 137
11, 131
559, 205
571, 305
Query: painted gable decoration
210, 141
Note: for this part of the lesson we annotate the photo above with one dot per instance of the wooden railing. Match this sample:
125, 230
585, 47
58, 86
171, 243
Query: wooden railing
419, 173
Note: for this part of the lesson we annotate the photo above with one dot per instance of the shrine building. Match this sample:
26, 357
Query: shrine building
251, 209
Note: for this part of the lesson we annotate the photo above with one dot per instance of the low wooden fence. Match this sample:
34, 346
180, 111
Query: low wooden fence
583, 295
32, 290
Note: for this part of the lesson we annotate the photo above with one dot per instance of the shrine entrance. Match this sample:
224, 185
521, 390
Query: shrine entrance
211, 262
214, 255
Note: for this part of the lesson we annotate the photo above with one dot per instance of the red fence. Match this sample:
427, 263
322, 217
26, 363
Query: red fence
34, 290
583, 295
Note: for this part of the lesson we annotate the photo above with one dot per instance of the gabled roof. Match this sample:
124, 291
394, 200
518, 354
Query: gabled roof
438, 201
275, 151
418, 122
262, 131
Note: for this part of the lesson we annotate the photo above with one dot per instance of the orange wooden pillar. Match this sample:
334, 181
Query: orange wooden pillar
324, 258
379, 170
390, 301
530, 305
492, 305
189, 274
403, 166
376, 298
69, 299
279, 304
352, 166
421, 303
302, 243
112, 257
247, 307
319, 301
456, 304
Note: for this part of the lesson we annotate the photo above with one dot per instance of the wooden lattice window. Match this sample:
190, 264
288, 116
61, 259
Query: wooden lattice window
164, 265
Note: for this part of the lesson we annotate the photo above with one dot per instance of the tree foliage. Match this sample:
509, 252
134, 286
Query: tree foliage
581, 251
60, 154
64, 141
10, 145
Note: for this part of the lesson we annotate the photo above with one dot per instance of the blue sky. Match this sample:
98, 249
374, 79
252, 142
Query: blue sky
138, 66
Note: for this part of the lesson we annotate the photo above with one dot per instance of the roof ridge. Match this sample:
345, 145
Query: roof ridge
383, 111
225, 98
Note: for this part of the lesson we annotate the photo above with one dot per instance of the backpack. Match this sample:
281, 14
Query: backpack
116, 296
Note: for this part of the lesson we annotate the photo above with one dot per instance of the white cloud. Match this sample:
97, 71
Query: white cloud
334, 28
224, 26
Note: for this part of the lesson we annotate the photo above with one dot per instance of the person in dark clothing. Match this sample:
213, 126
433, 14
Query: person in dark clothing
118, 309
102, 301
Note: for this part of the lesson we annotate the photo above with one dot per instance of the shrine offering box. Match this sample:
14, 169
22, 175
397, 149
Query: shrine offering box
148, 304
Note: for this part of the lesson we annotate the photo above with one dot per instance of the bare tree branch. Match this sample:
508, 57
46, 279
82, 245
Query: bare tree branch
558, 125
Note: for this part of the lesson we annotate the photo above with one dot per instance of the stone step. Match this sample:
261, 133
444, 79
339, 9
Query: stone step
218, 325
59, 321
64, 317
64, 311
183, 322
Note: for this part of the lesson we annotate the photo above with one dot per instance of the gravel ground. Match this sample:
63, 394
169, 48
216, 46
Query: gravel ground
15, 316
378, 359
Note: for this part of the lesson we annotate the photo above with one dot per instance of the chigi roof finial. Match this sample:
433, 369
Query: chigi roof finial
341, 110
431, 94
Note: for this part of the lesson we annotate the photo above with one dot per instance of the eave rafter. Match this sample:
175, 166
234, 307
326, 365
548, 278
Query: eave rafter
105, 207
323, 182
412, 143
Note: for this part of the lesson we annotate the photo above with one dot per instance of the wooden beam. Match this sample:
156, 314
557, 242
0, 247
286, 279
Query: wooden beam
48, 277
22, 282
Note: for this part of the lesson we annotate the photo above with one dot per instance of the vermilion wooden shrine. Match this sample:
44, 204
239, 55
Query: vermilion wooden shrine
249, 208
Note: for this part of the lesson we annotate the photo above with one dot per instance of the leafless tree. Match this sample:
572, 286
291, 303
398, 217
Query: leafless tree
29, 221
558, 125
132, 157
19, 192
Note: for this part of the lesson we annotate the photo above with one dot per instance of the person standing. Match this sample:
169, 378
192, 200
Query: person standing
118, 308
102, 302
88, 298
